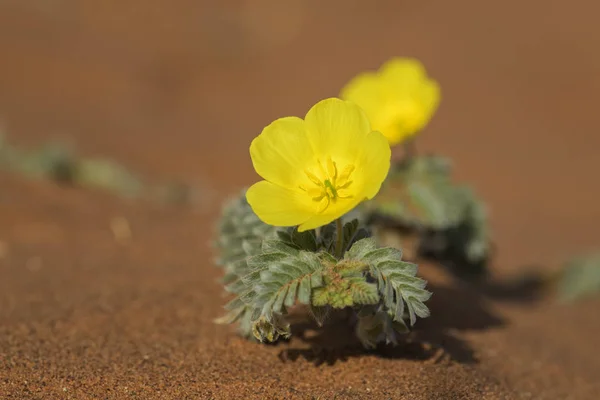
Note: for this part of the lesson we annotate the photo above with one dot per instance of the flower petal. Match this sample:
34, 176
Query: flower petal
333, 212
281, 151
402, 74
430, 97
399, 99
334, 127
279, 206
365, 90
373, 165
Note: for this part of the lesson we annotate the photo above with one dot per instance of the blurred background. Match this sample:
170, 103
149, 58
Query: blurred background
178, 89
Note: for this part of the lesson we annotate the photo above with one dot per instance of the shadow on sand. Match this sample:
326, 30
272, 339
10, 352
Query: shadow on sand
456, 309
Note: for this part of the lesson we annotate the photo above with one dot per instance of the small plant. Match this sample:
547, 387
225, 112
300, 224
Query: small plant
316, 171
314, 233
57, 162
295, 267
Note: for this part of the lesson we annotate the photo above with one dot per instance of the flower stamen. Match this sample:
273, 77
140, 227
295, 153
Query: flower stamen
331, 192
330, 184
313, 178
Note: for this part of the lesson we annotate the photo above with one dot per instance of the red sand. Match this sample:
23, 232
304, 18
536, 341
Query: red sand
179, 89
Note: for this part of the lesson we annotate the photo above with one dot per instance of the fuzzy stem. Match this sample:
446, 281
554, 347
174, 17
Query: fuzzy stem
340, 238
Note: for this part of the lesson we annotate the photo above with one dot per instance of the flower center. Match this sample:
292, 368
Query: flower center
328, 184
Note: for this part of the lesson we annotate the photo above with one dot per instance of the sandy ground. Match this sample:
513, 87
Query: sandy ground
178, 89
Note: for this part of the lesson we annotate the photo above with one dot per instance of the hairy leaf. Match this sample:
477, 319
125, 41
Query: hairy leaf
401, 291
301, 272
363, 292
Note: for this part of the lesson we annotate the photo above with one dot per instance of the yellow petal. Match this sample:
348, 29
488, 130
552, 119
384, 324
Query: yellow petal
279, 206
333, 212
334, 127
372, 166
331, 168
366, 91
313, 178
344, 194
415, 112
399, 99
315, 192
342, 180
402, 74
280, 153
387, 120
430, 95
323, 204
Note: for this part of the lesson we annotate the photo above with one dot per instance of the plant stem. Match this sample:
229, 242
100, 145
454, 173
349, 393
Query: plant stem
340, 238
410, 150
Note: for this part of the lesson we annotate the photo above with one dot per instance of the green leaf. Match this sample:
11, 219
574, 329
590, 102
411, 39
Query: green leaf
277, 246
290, 299
240, 232
349, 230
230, 317
431, 206
377, 326
319, 314
341, 299
360, 248
235, 304
248, 296
383, 254
400, 289
235, 287
448, 220
320, 297
284, 236
304, 291
302, 271
401, 267
327, 237
363, 292
264, 260
305, 240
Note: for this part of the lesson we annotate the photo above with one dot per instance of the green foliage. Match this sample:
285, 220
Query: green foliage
419, 192
106, 175
57, 162
402, 294
240, 233
420, 197
341, 292
288, 267
580, 278
375, 325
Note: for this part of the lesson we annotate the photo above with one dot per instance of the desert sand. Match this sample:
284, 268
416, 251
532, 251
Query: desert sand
177, 90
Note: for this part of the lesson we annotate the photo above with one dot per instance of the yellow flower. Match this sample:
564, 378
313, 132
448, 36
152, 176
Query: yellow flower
319, 168
399, 99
